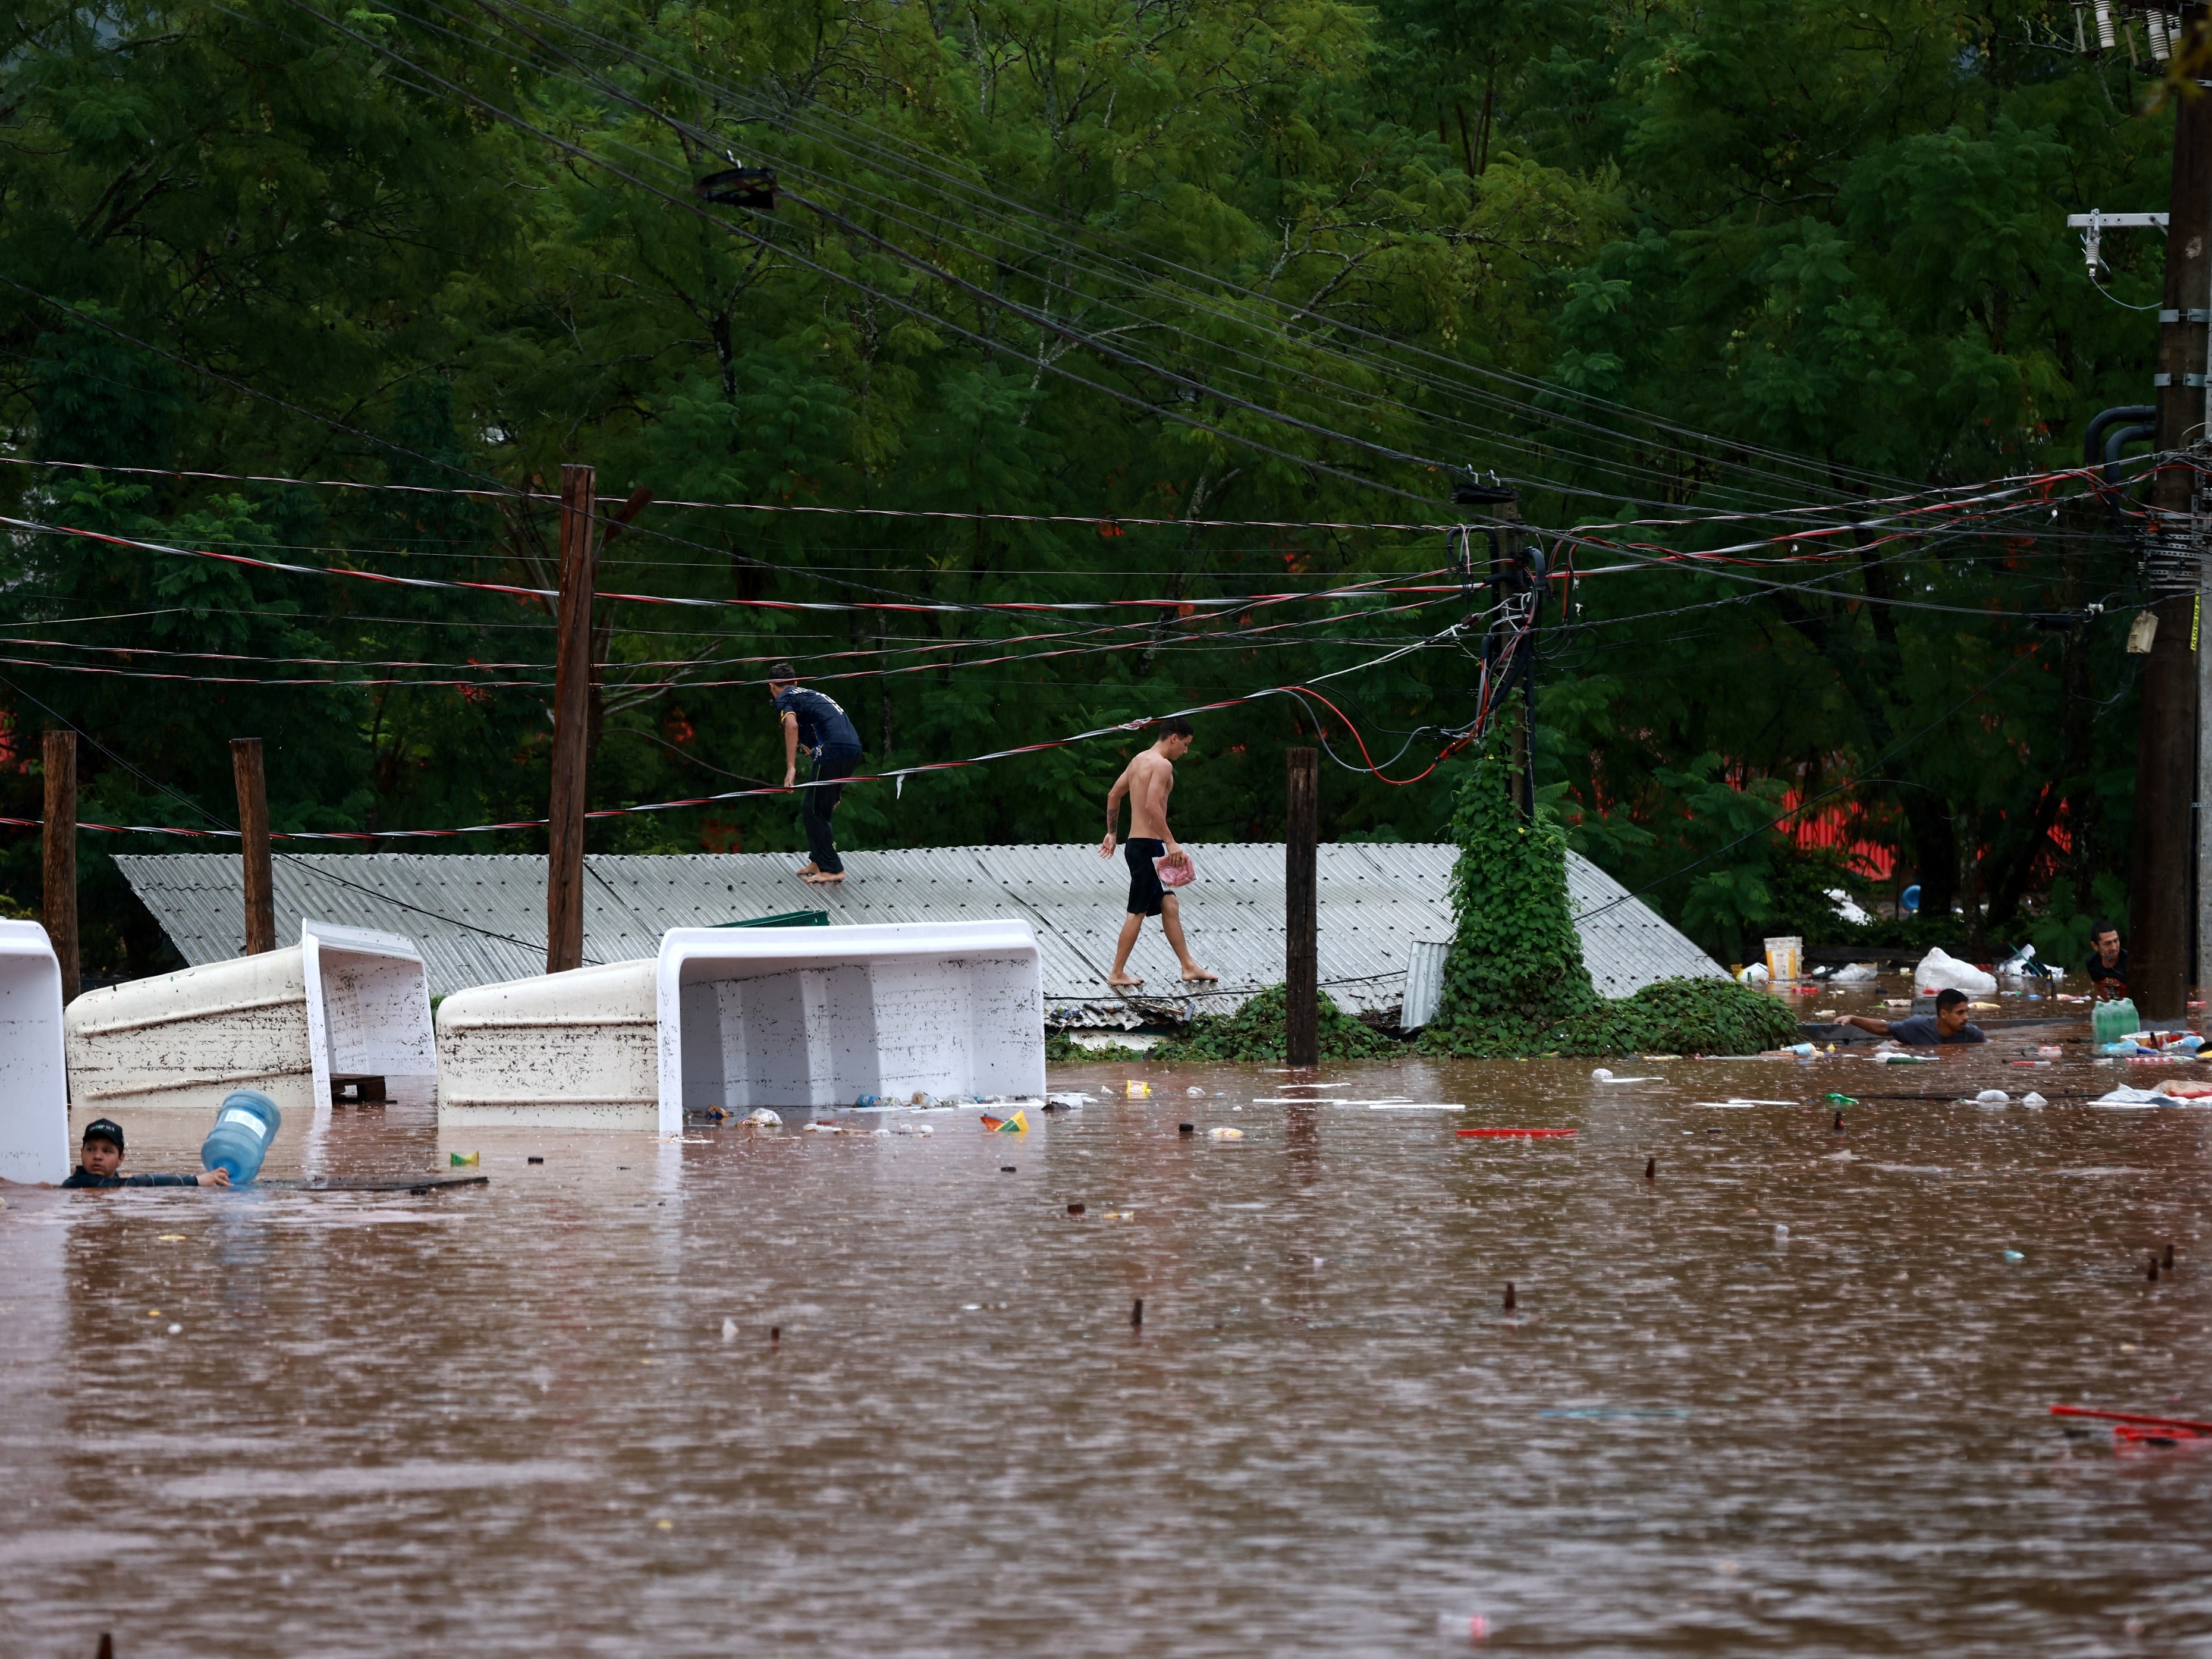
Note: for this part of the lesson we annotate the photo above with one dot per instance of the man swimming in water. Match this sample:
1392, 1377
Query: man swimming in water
1148, 780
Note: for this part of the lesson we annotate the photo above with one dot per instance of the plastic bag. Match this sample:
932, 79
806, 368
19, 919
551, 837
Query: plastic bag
1939, 970
1176, 872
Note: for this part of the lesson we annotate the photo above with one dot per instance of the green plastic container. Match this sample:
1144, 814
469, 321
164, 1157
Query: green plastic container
2111, 1021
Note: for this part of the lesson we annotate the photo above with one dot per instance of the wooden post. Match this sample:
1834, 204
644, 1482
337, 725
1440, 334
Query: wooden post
61, 857
572, 719
253, 845
1301, 944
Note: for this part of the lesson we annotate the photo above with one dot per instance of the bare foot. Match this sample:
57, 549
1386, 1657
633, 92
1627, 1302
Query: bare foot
1123, 980
1192, 974
824, 877
807, 869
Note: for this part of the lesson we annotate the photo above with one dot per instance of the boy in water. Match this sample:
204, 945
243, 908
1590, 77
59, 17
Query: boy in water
815, 723
1148, 780
102, 1154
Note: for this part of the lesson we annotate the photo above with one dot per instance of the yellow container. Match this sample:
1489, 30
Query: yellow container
1785, 957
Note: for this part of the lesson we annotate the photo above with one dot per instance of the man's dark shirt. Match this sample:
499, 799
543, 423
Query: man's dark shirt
2118, 970
822, 723
82, 1177
1921, 1031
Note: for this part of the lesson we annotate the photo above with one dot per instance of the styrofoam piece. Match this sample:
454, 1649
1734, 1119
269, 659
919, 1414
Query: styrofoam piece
344, 1000
743, 1018
34, 1143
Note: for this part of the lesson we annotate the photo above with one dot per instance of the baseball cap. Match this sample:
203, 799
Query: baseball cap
104, 1128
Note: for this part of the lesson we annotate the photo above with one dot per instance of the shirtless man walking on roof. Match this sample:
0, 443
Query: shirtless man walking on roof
1148, 780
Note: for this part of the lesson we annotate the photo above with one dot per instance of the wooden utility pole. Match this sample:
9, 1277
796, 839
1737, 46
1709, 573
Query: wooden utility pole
2163, 852
572, 722
1301, 931
61, 857
253, 845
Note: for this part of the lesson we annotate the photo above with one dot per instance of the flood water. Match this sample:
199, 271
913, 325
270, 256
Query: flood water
546, 1416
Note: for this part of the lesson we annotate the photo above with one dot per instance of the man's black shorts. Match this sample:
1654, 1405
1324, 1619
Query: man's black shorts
1145, 889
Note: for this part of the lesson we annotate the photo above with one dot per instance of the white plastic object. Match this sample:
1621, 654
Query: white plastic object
1755, 975
34, 1128
1857, 973
2032, 1099
1602, 1074
749, 1016
344, 1001
1939, 970
1993, 1097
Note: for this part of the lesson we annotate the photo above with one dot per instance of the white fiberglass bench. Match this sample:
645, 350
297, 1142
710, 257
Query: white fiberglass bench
745, 1018
34, 1137
334, 1017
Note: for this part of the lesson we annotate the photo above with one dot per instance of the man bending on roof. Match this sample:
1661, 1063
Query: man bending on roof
1148, 780
815, 723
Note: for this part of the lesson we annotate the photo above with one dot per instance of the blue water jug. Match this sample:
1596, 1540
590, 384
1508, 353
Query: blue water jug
244, 1128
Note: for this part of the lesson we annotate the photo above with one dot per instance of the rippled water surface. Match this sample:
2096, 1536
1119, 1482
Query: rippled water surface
547, 1416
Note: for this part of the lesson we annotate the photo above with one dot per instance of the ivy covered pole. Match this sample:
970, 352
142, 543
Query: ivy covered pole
1302, 938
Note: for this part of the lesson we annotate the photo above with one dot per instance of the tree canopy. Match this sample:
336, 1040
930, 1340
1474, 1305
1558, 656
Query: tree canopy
1189, 314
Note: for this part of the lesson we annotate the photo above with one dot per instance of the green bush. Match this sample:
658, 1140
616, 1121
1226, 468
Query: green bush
1061, 1049
1258, 1030
1681, 1016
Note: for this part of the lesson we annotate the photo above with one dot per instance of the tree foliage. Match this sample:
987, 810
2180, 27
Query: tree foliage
1112, 260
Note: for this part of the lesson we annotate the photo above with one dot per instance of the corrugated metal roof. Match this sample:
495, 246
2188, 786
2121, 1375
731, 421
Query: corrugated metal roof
482, 919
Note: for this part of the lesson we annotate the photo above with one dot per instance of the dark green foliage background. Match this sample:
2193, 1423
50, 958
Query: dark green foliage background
236, 239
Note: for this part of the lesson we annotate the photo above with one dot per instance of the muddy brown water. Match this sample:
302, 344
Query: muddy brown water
508, 1420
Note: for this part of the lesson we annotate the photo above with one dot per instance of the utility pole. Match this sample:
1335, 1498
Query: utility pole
253, 844
572, 718
1509, 649
61, 858
2163, 854
1301, 931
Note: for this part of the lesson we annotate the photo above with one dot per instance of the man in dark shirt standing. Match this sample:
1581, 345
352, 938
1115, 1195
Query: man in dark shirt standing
102, 1154
1949, 1023
815, 723
2108, 963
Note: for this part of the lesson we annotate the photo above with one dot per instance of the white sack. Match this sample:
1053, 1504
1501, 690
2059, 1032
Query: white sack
1939, 970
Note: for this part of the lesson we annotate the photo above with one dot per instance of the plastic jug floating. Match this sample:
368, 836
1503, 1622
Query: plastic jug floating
244, 1128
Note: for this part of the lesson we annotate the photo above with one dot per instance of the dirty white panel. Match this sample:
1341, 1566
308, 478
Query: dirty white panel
34, 1137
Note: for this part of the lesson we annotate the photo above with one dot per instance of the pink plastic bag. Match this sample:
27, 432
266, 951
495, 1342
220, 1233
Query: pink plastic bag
1173, 871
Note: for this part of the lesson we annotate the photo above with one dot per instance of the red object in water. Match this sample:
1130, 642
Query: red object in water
2170, 1425
1512, 1134
2134, 1434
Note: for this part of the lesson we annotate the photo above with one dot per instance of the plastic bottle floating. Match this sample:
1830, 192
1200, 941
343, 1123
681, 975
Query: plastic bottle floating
244, 1128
